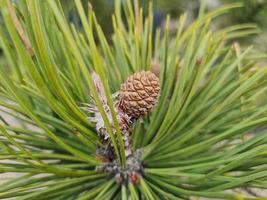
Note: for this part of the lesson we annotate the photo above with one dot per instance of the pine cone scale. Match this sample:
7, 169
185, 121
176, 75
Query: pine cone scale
139, 94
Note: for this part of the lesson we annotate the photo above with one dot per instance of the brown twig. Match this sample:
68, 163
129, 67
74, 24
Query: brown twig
19, 28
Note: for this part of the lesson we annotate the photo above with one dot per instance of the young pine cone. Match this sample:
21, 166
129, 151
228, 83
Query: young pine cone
136, 98
139, 94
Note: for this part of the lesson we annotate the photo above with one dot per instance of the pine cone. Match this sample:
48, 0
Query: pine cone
139, 94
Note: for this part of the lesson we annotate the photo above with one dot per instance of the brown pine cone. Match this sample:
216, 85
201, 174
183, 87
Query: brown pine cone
139, 94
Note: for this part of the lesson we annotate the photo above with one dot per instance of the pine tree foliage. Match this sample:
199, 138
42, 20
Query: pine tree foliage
205, 137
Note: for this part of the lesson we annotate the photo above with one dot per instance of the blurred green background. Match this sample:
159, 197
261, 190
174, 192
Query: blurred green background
253, 11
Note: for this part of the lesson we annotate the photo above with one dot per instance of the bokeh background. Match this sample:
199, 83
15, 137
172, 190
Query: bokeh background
253, 11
